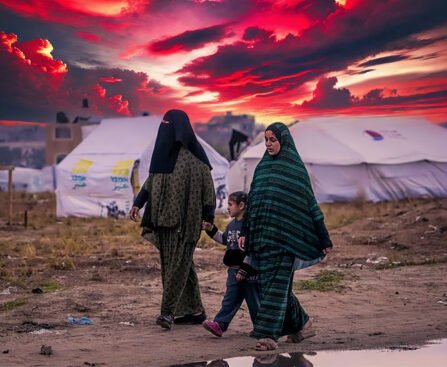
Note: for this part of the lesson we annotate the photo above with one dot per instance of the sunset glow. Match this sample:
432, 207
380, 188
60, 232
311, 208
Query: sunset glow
275, 59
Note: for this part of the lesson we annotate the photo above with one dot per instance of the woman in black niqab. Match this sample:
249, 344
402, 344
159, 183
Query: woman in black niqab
174, 132
178, 195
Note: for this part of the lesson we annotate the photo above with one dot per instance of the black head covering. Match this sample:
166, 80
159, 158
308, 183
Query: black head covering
174, 132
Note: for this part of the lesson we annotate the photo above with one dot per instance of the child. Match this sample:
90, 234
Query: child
241, 281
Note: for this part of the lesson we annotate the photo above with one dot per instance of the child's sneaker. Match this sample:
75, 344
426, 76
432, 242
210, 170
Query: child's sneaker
213, 327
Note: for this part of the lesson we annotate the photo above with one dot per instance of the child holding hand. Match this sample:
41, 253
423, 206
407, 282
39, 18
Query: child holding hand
241, 281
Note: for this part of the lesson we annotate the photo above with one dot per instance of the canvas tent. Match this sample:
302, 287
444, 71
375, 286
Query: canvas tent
95, 178
29, 179
372, 158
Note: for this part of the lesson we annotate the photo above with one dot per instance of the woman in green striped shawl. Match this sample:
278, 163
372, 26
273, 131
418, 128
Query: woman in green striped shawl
284, 231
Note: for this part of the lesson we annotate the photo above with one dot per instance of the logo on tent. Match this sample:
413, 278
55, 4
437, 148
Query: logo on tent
81, 166
374, 135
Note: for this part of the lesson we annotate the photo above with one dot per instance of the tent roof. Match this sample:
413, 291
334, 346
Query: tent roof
129, 135
127, 138
374, 140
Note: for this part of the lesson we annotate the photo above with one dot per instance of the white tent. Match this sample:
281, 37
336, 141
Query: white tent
95, 178
28, 179
374, 159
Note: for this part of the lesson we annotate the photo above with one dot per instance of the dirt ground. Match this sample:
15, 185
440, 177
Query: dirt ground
392, 292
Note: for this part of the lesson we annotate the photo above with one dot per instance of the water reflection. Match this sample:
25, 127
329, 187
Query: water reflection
431, 355
282, 360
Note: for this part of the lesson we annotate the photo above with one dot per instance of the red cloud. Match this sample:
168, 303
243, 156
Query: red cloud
328, 99
30, 91
108, 14
21, 123
32, 79
55, 10
89, 37
115, 102
111, 79
346, 36
36, 53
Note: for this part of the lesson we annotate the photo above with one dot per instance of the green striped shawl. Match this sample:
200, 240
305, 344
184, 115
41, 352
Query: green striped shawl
281, 203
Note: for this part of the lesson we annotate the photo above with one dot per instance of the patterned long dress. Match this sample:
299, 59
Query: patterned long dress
172, 221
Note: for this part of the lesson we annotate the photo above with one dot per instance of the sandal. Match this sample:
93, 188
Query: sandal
265, 344
305, 333
165, 321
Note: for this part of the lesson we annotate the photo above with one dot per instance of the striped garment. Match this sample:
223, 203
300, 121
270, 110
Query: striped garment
281, 204
280, 228
280, 312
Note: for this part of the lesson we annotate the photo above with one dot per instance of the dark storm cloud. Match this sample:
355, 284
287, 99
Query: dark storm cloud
190, 40
384, 60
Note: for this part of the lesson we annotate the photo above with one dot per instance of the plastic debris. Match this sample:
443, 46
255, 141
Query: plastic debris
84, 320
378, 260
127, 323
8, 291
40, 332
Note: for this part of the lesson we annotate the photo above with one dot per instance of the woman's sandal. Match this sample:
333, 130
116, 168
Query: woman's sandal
265, 344
305, 333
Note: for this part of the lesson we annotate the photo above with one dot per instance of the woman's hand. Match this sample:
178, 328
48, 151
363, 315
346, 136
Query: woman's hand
133, 214
207, 226
241, 243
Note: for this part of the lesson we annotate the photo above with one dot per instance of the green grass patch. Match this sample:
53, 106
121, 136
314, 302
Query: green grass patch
326, 280
51, 286
8, 306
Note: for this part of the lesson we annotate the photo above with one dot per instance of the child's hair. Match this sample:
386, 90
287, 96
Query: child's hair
238, 197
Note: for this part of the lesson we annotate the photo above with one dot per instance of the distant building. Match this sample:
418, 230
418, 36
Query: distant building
38, 144
63, 137
217, 131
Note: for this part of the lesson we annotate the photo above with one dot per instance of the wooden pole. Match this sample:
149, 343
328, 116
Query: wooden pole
10, 194
10, 190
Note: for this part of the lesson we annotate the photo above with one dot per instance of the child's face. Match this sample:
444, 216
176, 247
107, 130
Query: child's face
235, 209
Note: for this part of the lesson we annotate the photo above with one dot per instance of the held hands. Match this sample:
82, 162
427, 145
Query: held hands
241, 275
206, 226
241, 243
133, 214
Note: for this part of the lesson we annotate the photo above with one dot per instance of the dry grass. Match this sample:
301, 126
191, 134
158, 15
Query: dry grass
50, 243
341, 214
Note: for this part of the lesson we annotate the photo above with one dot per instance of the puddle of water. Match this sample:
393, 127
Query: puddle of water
431, 355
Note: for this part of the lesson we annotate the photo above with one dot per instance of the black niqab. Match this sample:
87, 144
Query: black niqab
174, 132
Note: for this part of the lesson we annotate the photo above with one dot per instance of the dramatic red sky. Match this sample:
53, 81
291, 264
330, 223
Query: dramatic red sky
279, 60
